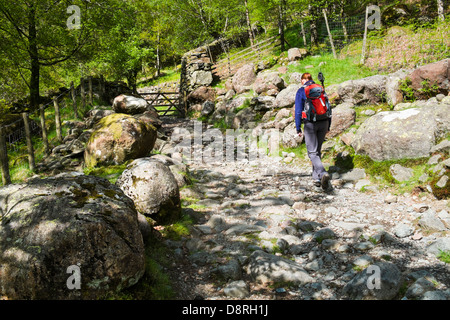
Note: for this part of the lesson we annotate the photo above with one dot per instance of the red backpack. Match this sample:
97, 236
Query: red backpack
317, 106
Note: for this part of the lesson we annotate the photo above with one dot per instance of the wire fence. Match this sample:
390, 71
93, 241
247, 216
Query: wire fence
343, 32
35, 125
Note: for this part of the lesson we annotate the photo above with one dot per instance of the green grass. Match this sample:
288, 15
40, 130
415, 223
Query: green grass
168, 75
444, 256
179, 229
335, 71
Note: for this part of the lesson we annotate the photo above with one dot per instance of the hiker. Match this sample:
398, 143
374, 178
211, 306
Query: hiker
315, 128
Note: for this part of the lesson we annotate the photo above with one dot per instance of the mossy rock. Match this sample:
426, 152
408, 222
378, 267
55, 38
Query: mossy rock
118, 138
441, 193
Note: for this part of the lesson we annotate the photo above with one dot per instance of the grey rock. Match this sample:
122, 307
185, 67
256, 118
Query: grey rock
325, 233
441, 244
207, 108
353, 175
414, 138
230, 271
286, 97
237, 289
400, 173
129, 105
343, 118
49, 225
364, 287
153, 188
403, 230
420, 287
266, 268
442, 146
435, 295
429, 221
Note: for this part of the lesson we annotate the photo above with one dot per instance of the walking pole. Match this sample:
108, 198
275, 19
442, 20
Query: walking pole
321, 79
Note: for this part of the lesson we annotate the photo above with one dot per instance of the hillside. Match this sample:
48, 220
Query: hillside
127, 204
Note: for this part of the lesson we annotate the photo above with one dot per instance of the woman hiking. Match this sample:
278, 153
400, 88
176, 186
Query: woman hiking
316, 125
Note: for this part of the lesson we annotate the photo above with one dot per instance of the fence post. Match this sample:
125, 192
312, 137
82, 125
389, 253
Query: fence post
4, 162
363, 54
57, 120
83, 94
329, 33
91, 91
74, 99
26, 123
44, 129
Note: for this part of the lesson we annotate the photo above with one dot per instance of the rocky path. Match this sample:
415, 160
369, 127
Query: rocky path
264, 231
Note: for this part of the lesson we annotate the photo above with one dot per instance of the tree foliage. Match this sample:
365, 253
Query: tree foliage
123, 39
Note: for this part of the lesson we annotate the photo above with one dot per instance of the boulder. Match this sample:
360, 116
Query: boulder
201, 94
266, 81
343, 118
130, 104
71, 220
286, 97
118, 138
373, 90
410, 133
153, 188
363, 91
262, 103
295, 54
434, 74
244, 78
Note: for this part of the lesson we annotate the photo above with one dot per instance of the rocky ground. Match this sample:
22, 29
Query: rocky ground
264, 231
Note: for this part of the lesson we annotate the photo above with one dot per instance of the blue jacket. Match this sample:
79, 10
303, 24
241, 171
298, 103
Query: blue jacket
300, 100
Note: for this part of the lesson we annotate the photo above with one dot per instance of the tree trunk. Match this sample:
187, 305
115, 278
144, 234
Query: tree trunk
281, 25
313, 27
249, 24
34, 58
344, 27
158, 58
440, 6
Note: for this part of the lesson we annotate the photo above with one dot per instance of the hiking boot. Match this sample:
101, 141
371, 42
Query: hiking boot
325, 181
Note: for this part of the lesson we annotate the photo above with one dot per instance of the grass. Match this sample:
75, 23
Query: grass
444, 256
335, 71
179, 229
168, 75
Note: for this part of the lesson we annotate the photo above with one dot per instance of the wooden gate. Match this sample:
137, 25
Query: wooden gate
167, 100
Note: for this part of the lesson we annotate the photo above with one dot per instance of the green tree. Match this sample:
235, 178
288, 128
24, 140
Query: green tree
37, 34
